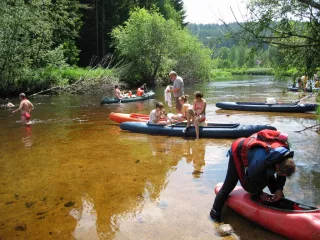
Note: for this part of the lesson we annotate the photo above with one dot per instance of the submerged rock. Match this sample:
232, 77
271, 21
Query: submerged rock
69, 204
29, 204
21, 228
225, 230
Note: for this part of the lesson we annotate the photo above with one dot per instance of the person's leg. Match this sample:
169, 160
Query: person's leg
190, 115
23, 119
229, 184
196, 127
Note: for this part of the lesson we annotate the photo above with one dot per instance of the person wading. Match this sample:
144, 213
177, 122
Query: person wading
25, 108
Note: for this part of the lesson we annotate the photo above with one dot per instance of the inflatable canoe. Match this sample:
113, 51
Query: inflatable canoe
264, 107
146, 96
285, 217
295, 89
212, 130
125, 117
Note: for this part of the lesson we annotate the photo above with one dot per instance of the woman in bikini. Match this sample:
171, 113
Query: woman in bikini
197, 115
181, 117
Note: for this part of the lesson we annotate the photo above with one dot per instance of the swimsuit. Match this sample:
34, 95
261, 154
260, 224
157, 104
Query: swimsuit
26, 115
197, 108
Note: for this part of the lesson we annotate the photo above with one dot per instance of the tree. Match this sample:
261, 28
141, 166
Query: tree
106, 15
292, 27
35, 35
154, 45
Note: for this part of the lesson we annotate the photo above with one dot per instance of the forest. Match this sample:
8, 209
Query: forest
78, 46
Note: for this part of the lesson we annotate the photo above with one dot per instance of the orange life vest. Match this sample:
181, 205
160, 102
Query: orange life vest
268, 139
140, 92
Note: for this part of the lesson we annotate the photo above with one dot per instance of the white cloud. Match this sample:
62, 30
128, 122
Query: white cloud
210, 11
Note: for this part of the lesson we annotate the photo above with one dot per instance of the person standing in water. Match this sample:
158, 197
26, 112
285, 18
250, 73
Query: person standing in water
25, 108
177, 89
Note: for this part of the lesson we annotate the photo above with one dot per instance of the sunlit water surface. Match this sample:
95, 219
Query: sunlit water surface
75, 175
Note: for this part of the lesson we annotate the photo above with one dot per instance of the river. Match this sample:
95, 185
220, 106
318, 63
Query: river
75, 175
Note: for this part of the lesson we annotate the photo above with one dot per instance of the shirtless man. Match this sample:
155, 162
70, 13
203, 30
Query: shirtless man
25, 108
117, 92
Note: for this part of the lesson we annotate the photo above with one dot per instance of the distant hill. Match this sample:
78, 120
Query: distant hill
208, 32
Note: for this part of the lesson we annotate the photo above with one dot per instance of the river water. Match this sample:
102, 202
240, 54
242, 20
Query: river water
75, 175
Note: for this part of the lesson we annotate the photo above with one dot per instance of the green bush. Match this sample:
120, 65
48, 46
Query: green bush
219, 74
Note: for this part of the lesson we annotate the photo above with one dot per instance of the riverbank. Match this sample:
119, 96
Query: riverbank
66, 79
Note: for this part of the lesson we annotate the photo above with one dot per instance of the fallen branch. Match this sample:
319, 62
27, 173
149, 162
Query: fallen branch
315, 127
96, 83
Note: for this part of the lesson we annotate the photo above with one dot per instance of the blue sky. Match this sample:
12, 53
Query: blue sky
209, 11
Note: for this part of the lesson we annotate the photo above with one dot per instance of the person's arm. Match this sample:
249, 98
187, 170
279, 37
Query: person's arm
31, 107
177, 86
20, 107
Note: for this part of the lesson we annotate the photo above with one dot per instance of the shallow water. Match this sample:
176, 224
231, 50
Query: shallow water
75, 174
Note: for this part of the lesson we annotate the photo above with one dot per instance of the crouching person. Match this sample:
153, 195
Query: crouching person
257, 164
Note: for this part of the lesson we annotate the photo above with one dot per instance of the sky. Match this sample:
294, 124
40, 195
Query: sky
209, 11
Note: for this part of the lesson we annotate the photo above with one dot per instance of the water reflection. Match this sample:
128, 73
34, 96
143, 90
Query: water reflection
27, 138
195, 155
87, 220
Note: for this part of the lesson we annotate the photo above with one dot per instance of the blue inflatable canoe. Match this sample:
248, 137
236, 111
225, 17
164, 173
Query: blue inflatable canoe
212, 130
264, 107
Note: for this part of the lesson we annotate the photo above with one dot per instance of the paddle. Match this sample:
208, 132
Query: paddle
303, 98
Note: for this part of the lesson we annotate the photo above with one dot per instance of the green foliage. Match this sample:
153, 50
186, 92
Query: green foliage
154, 45
31, 38
252, 71
102, 16
291, 27
219, 74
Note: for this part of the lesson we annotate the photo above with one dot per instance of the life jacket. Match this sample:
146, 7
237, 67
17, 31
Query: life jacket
268, 139
140, 92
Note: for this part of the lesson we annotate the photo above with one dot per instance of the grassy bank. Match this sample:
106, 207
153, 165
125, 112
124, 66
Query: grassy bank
220, 74
33, 81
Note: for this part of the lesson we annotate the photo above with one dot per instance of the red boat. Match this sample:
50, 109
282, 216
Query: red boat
125, 117
285, 217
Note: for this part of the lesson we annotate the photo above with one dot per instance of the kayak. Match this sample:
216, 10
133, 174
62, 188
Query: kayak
285, 217
264, 107
146, 96
125, 117
212, 130
295, 89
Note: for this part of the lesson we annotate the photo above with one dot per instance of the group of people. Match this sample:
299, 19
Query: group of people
305, 83
122, 94
262, 164
191, 114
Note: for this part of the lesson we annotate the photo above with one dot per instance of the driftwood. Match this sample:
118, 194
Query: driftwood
97, 83
315, 128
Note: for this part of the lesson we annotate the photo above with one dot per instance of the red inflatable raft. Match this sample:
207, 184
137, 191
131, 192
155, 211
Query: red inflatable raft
285, 217
124, 117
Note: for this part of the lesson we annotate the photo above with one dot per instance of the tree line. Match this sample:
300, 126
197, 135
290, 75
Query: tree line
43, 43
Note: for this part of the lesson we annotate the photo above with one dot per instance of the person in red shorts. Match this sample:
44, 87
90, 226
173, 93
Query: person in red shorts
25, 108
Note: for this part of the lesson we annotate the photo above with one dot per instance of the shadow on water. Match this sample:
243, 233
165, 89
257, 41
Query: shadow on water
75, 174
